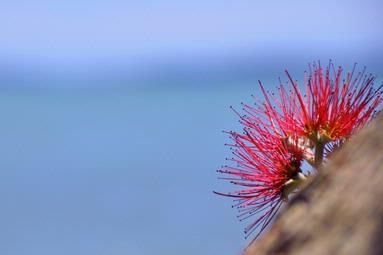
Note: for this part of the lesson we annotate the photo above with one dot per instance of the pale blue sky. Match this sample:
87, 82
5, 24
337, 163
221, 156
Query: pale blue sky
74, 34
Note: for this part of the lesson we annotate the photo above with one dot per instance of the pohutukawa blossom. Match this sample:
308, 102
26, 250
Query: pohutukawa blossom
333, 108
289, 127
268, 166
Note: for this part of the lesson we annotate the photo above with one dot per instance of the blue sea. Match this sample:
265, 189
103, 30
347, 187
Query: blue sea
117, 171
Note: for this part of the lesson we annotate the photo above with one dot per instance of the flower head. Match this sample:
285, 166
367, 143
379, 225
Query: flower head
334, 109
289, 127
267, 166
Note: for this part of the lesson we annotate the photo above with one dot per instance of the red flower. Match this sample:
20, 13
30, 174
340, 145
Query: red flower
333, 108
267, 166
287, 128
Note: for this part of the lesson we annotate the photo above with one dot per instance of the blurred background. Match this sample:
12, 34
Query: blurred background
112, 111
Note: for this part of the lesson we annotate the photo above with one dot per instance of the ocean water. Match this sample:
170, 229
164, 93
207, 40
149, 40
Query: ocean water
113, 170
117, 171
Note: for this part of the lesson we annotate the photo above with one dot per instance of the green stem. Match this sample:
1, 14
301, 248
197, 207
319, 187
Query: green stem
319, 150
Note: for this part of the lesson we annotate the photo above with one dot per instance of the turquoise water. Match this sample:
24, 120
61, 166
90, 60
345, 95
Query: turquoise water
114, 171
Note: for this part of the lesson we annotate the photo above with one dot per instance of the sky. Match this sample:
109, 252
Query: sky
83, 35
112, 113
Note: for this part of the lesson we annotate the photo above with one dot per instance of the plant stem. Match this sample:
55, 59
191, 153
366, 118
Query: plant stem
319, 150
292, 184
